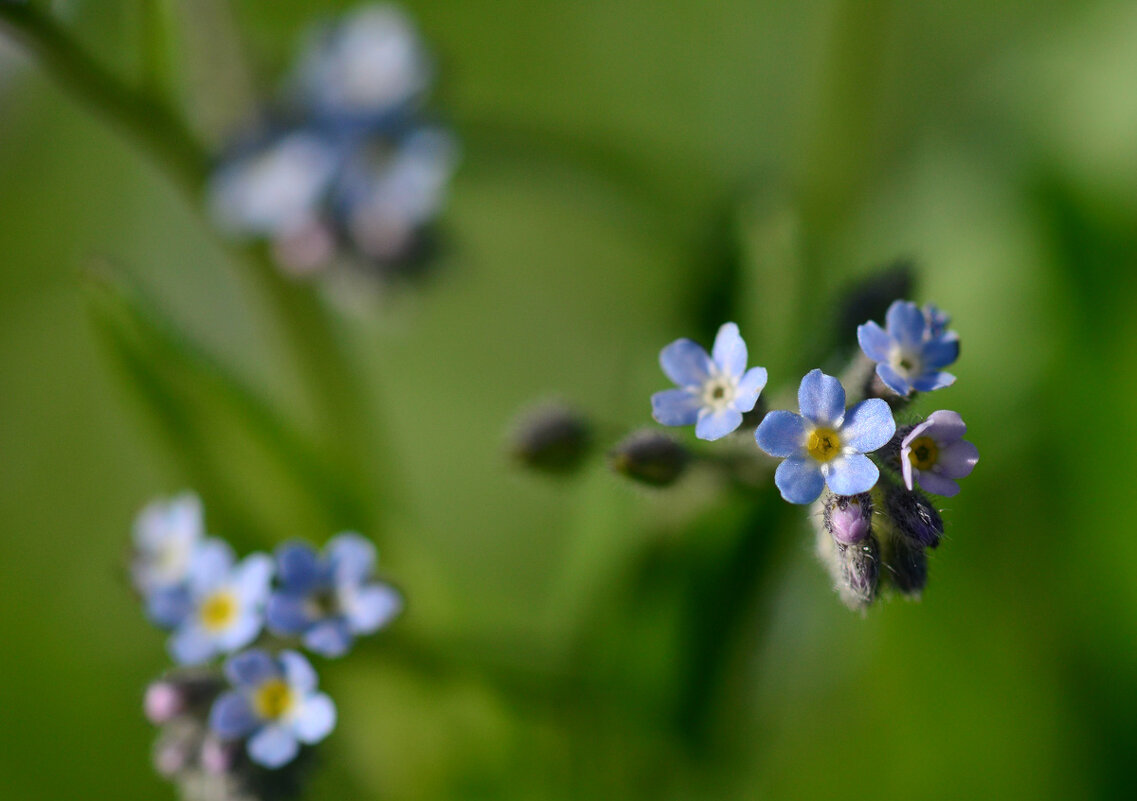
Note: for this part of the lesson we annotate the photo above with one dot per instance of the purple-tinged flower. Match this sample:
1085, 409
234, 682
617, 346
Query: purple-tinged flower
714, 390
274, 704
224, 604
825, 444
934, 454
912, 353
331, 599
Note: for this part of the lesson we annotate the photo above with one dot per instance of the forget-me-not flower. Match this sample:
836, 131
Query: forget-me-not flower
714, 390
166, 536
224, 604
913, 351
274, 704
826, 443
933, 454
329, 600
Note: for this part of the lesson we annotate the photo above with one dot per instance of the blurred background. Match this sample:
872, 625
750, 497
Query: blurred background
631, 172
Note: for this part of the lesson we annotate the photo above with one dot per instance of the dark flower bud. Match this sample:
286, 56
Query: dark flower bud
913, 516
853, 565
907, 565
649, 457
552, 438
848, 518
179, 693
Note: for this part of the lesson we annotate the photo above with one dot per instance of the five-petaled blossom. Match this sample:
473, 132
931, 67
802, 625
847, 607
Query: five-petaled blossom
933, 454
331, 599
275, 704
912, 353
825, 444
714, 390
224, 604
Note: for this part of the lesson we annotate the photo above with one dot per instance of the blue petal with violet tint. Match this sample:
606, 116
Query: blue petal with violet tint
874, 341
729, 351
958, 459
781, 433
243, 631
852, 474
675, 407
298, 672
351, 557
937, 484
933, 380
717, 424
253, 576
298, 566
330, 638
372, 607
868, 426
287, 613
210, 565
940, 352
821, 399
190, 645
799, 479
315, 720
685, 362
168, 608
250, 668
893, 380
231, 716
749, 388
906, 323
273, 746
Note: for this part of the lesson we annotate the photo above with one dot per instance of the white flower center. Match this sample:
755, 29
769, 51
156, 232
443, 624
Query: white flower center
905, 362
719, 391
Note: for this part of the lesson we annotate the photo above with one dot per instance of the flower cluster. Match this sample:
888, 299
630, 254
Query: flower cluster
866, 475
347, 171
224, 724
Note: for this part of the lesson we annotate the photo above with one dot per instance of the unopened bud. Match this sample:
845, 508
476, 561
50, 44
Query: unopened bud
913, 516
552, 438
848, 518
649, 457
163, 702
859, 575
219, 756
907, 564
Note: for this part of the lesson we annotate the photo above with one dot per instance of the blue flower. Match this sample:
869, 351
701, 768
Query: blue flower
223, 604
167, 533
274, 704
714, 390
825, 444
934, 454
910, 355
329, 600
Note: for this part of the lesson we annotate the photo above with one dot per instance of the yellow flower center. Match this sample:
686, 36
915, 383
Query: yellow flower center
823, 444
218, 611
273, 699
923, 453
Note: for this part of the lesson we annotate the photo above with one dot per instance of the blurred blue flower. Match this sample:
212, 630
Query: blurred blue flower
167, 533
910, 355
826, 443
933, 454
714, 390
274, 704
329, 600
223, 604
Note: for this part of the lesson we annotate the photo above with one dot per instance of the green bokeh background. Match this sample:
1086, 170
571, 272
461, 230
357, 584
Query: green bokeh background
612, 152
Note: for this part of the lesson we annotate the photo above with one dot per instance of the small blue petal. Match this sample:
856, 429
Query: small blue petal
941, 352
675, 407
273, 746
821, 399
930, 381
893, 380
874, 341
250, 668
868, 426
330, 638
288, 614
351, 558
852, 474
372, 607
298, 672
242, 632
799, 480
210, 566
189, 645
729, 351
167, 608
685, 362
718, 424
231, 716
298, 567
906, 324
749, 388
781, 433
936, 484
315, 720
252, 577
